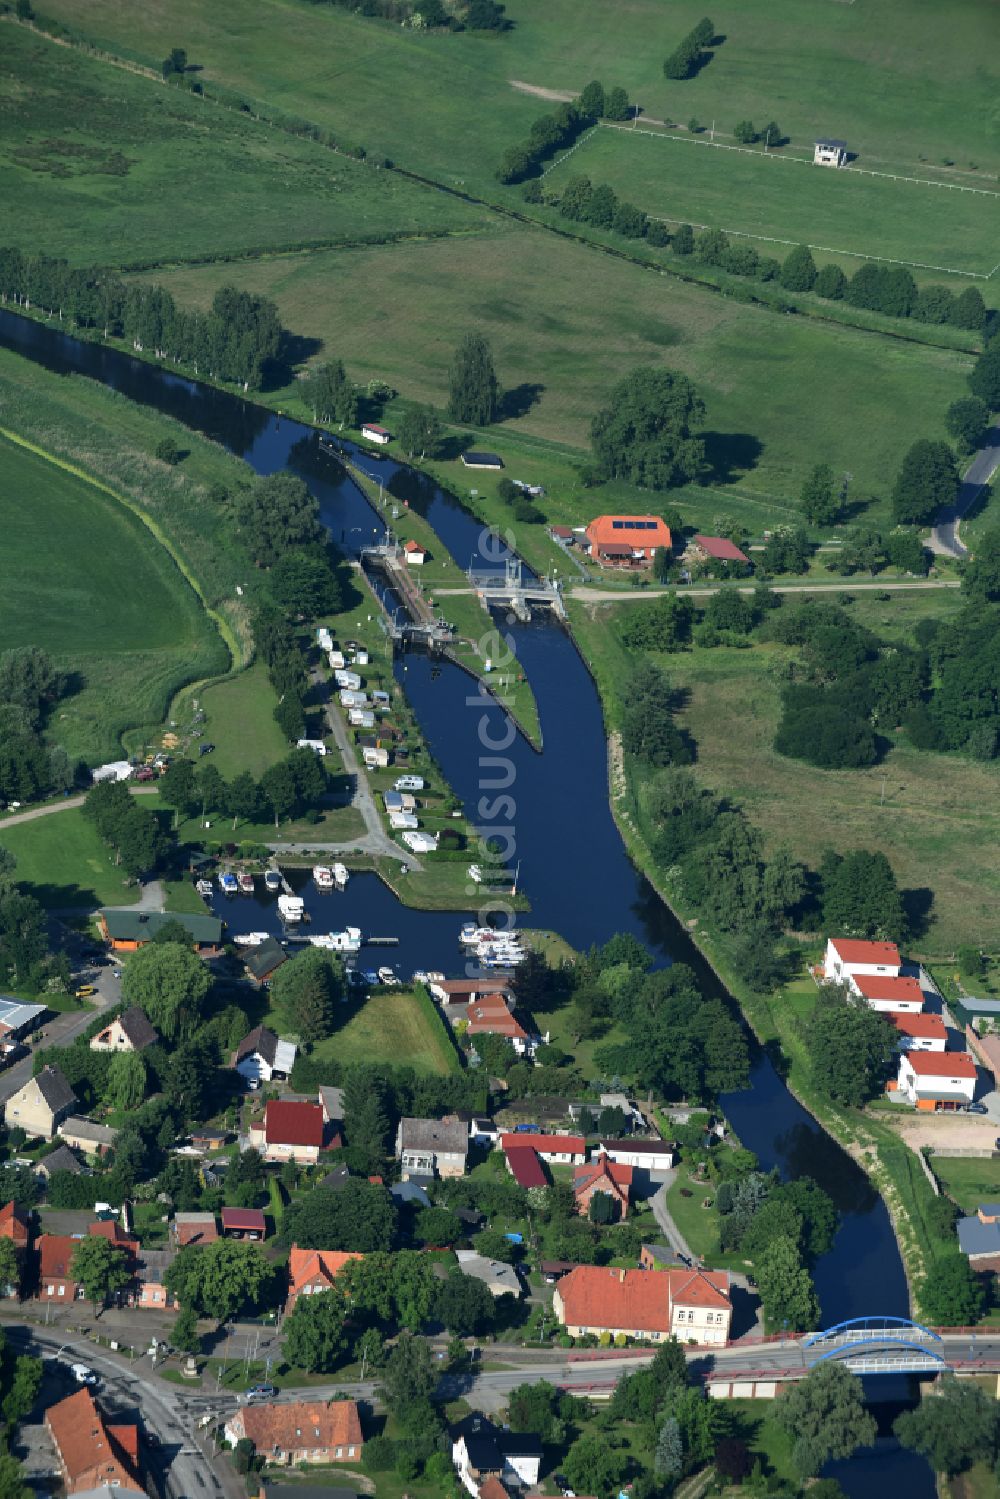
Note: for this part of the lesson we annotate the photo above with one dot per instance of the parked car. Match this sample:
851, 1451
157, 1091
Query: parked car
261, 1392
85, 991
978, 1108
82, 1374
206, 749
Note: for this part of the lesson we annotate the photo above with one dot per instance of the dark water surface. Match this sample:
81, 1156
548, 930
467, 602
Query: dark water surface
573, 864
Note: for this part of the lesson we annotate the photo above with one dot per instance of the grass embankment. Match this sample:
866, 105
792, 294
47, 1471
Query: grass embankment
88, 582
893, 1169
92, 155
565, 324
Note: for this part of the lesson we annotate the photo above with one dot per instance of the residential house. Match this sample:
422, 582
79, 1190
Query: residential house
41, 1105
243, 1223
83, 1134
480, 1451
704, 549
415, 554
885, 993
845, 957
627, 540
126, 930
421, 842
260, 1056
261, 963
289, 1132
979, 1237
658, 1257
693, 1305
150, 1293
193, 1228
650, 1155
565, 1150
60, 1159
830, 153
918, 1032
14, 1225
432, 1147
525, 1167
500, 1279
117, 1236
312, 1271
301, 1431
129, 1031
55, 1282
491, 1016
375, 756
937, 1081
91, 1452
464, 991
602, 1175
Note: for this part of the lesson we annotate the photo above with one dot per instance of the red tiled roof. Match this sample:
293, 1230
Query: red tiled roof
54, 1254
546, 1144
413, 546
13, 1224
494, 1019
585, 1176
492, 1488
306, 1265
246, 1220
884, 986
116, 1235
293, 1123
851, 951
595, 1296
565, 532
928, 1027
720, 548
941, 1063
699, 1288
92, 1453
526, 1168
302, 1425
635, 531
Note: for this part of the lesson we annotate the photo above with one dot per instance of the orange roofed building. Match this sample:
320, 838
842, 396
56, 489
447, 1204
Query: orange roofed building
92, 1454
602, 1175
303, 1431
692, 1305
311, 1271
627, 540
14, 1225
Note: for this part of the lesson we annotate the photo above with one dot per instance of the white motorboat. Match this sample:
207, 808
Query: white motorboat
472, 935
204, 889
341, 875
348, 940
323, 877
291, 907
228, 883
475, 874
250, 939
272, 879
387, 976
245, 882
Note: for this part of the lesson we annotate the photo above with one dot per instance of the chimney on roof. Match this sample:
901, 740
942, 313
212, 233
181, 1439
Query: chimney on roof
621, 1277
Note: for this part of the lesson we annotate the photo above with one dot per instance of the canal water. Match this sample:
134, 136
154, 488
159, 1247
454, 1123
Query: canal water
573, 865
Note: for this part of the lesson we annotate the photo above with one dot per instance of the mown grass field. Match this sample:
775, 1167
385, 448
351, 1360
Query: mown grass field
444, 103
934, 816
781, 392
239, 721
779, 200
87, 581
394, 1026
103, 166
968, 1181
63, 863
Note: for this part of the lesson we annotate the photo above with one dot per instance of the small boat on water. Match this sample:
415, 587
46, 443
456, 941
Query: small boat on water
323, 877
434, 976
340, 875
272, 879
348, 940
472, 935
245, 882
291, 907
250, 939
204, 889
419, 976
387, 976
228, 882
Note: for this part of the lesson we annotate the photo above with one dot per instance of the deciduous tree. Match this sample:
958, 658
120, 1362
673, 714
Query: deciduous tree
926, 483
646, 432
100, 1267
474, 392
170, 983
825, 1416
315, 1333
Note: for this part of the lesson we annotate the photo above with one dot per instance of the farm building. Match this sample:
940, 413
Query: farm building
491, 461
713, 549
374, 433
627, 540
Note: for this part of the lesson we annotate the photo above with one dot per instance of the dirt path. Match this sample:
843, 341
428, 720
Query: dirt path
557, 95
591, 595
63, 806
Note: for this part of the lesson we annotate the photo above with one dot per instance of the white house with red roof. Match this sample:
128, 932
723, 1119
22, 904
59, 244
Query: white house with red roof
691, 1305
414, 553
919, 1032
289, 1132
886, 993
563, 1150
847, 957
937, 1081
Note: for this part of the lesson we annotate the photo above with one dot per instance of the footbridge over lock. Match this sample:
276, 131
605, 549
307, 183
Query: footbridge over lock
509, 589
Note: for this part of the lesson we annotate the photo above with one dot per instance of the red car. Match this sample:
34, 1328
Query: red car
146, 774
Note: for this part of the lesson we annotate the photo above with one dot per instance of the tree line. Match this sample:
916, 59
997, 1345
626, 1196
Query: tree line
471, 15
235, 341
30, 687
691, 54
555, 131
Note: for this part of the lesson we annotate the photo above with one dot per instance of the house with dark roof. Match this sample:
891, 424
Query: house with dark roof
480, 1451
289, 1132
86, 1135
93, 1453
129, 1031
648, 1155
243, 1223
979, 1237
125, 930
41, 1105
260, 964
525, 1166
60, 1159
261, 1057
432, 1147
691, 1305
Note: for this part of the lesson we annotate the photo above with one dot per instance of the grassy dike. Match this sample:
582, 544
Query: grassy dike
892, 1169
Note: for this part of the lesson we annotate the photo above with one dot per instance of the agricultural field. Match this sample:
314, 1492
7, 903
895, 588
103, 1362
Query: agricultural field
932, 815
94, 157
89, 583
780, 199
564, 324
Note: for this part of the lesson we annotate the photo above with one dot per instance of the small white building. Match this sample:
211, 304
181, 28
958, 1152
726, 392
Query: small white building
887, 994
937, 1080
336, 659
374, 433
361, 718
649, 1155
375, 757
345, 678
400, 820
919, 1032
846, 957
421, 843
261, 1056
316, 745
499, 1278
414, 553
114, 770
830, 153
324, 639
350, 699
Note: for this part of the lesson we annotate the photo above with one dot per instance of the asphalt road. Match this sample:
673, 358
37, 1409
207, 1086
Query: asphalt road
944, 537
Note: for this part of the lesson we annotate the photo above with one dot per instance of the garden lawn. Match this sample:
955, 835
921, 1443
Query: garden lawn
63, 863
103, 166
90, 584
564, 323
968, 1181
779, 199
239, 721
393, 1026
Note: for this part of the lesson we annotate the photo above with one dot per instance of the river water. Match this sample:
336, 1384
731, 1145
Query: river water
573, 864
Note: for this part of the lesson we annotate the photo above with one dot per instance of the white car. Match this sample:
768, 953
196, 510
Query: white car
82, 1374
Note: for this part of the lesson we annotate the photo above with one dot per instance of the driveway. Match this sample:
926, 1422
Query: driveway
944, 537
662, 1214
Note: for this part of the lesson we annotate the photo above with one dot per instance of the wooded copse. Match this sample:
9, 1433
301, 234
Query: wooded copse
234, 342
